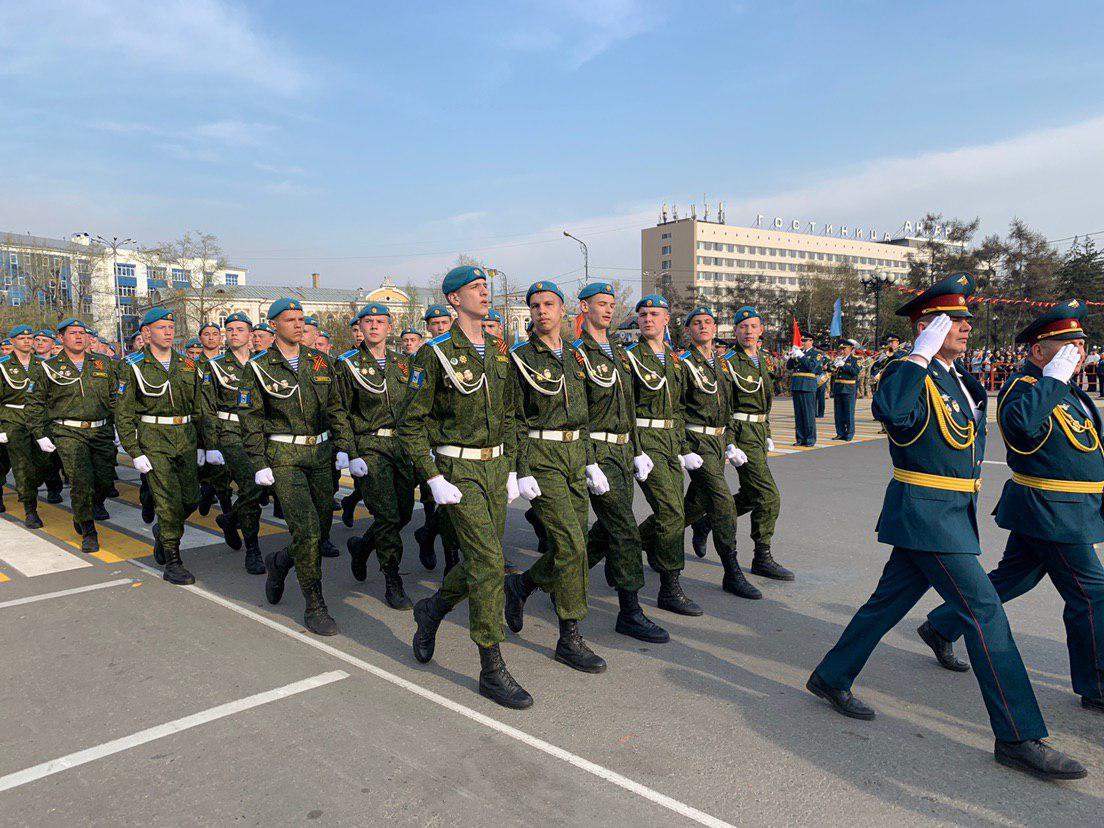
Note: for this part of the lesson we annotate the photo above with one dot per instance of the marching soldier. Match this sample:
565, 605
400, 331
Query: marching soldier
935, 419
866, 359
555, 467
296, 433
459, 430
845, 375
193, 348
5, 460
354, 331
45, 341
262, 337
803, 366
310, 331
214, 479
411, 341
323, 343
1052, 504
891, 350
492, 324
30, 464
72, 410
161, 407
374, 387
46, 345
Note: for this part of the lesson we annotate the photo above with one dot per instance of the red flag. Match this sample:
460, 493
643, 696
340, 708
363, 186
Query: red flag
796, 335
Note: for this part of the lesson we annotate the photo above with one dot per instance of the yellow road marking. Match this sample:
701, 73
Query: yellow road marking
3, 578
128, 493
114, 546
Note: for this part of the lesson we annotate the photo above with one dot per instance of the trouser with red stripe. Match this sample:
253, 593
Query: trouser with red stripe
1078, 576
973, 601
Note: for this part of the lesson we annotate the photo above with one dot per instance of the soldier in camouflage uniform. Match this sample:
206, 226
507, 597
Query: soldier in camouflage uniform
214, 479
30, 465
46, 345
296, 432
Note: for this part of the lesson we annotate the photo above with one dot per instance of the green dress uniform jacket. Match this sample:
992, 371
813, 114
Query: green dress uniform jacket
226, 373
30, 465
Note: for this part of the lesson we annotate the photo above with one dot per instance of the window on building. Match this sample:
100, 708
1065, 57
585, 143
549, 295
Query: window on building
666, 263
232, 278
665, 250
124, 269
180, 276
666, 236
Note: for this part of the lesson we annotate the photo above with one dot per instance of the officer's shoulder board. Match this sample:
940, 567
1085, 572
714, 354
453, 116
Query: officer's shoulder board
347, 355
216, 358
578, 343
5, 358
631, 345
258, 355
685, 355
135, 358
440, 340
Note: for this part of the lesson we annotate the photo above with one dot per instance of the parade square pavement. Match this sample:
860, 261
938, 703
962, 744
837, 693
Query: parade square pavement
124, 700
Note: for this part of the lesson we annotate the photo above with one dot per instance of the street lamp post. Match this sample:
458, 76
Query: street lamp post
586, 257
115, 243
876, 283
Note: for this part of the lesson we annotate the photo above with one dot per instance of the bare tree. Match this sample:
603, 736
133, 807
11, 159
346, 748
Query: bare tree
188, 265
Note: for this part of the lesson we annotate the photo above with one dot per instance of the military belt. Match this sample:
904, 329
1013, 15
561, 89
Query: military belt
300, 439
81, 423
749, 418
382, 432
937, 481
712, 431
1052, 485
11, 405
609, 437
229, 416
844, 382
463, 453
180, 420
645, 423
802, 374
554, 436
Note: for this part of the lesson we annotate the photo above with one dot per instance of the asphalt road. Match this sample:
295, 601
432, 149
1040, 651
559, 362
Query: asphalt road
130, 701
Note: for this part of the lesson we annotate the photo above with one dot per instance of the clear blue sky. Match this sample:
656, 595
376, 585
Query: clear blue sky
366, 139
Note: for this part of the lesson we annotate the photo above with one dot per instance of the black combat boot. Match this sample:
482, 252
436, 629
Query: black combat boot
226, 501
1039, 759
573, 651
943, 649
607, 568
394, 594
277, 509
632, 621
702, 527
53, 492
3, 508
327, 550
30, 516
158, 548
348, 508
90, 540
452, 557
496, 683
672, 598
764, 565
206, 498
99, 512
145, 497
360, 549
278, 564
317, 618
229, 527
518, 589
427, 554
734, 580
538, 529
253, 563
175, 573
428, 614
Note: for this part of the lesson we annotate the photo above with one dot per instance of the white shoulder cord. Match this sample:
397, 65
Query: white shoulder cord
528, 375
736, 378
149, 390
463, 387
225, 380
272, 390
704, 385
602, 382
639, 369
366, 384
16, 386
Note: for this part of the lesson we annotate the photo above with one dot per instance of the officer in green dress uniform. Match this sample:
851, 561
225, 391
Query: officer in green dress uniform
845, 377
459, 431
30, 465
72, 410
296, 432
935, 418
1052, 504
803, 366
374, 383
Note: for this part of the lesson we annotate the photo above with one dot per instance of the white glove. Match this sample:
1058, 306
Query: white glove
214, 457
46, 444
837, 362
528, 488
444, 493
795, 353
642, 467
142, 465
357, 467
264, 478
930, 340
341, 460
201, 457
1061, 365
512, 492
3, 436
118, 442
691, 461
734, 456
770, 444
596, 479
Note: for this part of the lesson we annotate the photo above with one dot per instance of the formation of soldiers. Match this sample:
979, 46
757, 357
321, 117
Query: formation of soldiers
265, 411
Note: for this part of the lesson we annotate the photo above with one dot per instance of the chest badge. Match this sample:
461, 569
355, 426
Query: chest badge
371, 371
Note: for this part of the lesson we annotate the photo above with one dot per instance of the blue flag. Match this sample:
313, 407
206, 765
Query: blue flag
837, 319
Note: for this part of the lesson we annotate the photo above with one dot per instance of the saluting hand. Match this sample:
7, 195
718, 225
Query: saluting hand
1063, 364
930, 340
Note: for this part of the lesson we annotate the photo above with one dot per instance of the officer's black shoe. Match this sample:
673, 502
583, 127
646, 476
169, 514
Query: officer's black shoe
632, 621
90, 540
427, 554
428, 614
145, 497
327, 550
764, 565
348, 508
158, 549
538, 529
278, 564
30, 517
175, 573
518, 589
317, 618
672, 598
1039, 759
99, 512
206, 498
394, 593
229, 528
496, 683
53, 495
1090, 703
842, 700
359, 551
943, 649
702, 527
253, 563
452, 558
573, 651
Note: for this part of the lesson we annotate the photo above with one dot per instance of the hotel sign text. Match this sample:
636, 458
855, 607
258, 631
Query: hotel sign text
909, 228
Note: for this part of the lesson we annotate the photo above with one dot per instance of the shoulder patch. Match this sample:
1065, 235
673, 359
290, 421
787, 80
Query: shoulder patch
135, 357
258, 355
121, 388
437, 340
245, 399
346, 355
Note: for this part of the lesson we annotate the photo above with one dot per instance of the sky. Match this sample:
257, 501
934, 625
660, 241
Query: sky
364, 140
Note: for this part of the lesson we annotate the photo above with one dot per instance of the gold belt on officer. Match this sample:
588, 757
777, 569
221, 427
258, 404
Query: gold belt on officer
382, 432
801, 374
229, 416
181, 420
750, 418
300, 439
1052, 485
81, 423
646, 423
554, 436
937, 481
609, 437
11, 405
463, 453
710, 430
844, 382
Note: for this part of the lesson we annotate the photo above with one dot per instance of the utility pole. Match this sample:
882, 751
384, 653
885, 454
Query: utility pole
114, 245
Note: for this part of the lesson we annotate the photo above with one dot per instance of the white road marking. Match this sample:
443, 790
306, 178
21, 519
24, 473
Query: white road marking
995, 462
129, 517
83, 757
61, 593
31, 555
579, 762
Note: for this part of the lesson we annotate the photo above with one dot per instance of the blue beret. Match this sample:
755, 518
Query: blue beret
20, 330
156, 315
238, 316
411, 331
324, 334
374, 309
701, 310
460, 276
541, 287
72, 322
746, 312
436, 311
6, 342
310, 320
492, 316
652, 300
264, 326
281, 305
46, 332
594, 288
193, 343
353, 321
133, 336
207, 325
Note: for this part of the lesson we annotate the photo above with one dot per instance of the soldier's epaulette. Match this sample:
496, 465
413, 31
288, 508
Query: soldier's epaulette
684, 355
258, 355
5, 358
438, 340
40, 356
1029, 380
631, 345
731, 352
519, 344
346, 355
137, 356
216, 358
578, 343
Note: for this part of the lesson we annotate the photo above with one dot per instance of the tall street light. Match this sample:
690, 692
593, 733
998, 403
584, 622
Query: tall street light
586, 256
115, 243
876, 283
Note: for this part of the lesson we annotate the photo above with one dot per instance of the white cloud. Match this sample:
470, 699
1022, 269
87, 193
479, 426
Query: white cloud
582, 29
467, 218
